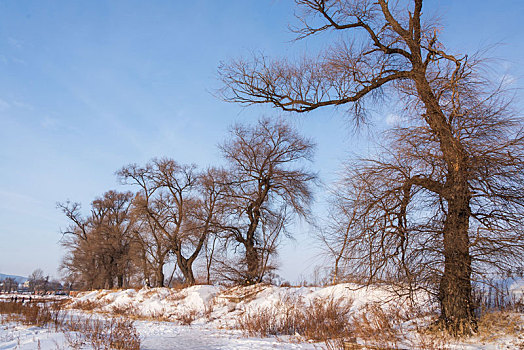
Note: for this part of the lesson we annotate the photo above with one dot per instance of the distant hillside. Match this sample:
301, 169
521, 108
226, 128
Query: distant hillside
18, 279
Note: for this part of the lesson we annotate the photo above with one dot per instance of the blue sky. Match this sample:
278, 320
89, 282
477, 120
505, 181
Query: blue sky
87, 87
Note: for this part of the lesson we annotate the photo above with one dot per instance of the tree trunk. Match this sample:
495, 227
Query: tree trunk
252, 262
209, 260
120, 279
455, 297
109, 282
159, 275
457, 309
186, 267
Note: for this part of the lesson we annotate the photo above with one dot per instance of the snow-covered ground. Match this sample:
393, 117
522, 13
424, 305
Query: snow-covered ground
154, 336
213, 313
219, 307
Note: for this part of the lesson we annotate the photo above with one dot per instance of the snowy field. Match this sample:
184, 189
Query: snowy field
213, 314
165, 336
154, 336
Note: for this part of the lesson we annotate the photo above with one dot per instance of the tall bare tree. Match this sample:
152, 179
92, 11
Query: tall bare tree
100, 245
116, 231
168, 193
209, 211
266, 181
387, 49
80, 263
155, 246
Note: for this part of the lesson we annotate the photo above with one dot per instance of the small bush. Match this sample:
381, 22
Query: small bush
376, 327
187, 318
324, 319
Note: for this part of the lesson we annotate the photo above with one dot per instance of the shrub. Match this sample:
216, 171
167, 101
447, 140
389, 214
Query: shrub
187, 317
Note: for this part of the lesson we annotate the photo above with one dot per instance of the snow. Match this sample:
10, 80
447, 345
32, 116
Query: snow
154, 335
165, 335
516, 288
15, 336
215, 311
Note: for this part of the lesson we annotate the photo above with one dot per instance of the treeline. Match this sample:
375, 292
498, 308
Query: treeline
228, 218
37, 282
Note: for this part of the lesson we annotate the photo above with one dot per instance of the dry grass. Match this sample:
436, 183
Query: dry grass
123, 310
377, 327
324, 319
86, 305
187, 318
99, 333
178, 295
38, 314
381, 328
318, 320
9, 307
209, 308
498, 324
112, 333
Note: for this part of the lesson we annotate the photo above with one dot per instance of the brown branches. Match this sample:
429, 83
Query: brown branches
264, 181
304, 87
99, 245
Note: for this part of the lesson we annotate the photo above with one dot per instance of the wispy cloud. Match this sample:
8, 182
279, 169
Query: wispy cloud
23, 105
4, 105
394, 119
15, 42
23, 205
14, 197
508, 80
50, 123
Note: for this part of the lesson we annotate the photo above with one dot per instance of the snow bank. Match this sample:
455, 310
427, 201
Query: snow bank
205, 304
162, 303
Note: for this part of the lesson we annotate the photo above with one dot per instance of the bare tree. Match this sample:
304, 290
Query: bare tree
116, 231
169, 198
99, 245
390, 50
209, 211
263, 187
382, 190
155, 245
37, 281
9, 285
80, 262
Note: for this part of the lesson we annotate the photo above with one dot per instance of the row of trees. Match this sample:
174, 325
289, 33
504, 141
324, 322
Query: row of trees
438, 207
8, 285
36, 282
231, 218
